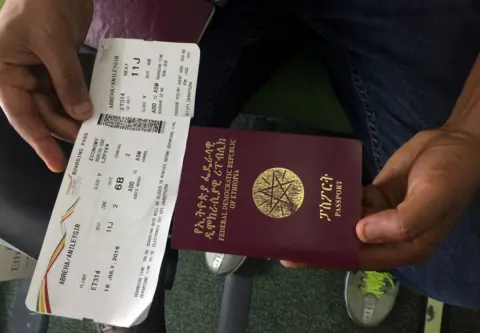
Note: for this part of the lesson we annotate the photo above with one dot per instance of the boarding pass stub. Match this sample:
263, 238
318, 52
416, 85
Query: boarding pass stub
106, 239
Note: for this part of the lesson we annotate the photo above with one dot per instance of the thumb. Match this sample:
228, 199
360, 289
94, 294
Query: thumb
383, 227
411, 218
61, 60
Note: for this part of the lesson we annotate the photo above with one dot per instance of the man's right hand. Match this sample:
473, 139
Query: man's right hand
36, 35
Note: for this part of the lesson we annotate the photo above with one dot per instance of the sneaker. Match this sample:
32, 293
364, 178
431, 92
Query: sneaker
370, 296
102, 328
223, 264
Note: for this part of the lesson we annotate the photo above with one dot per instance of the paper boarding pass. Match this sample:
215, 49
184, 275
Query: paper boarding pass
106, 238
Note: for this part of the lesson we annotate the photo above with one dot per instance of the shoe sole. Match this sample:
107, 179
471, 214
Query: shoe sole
345, 297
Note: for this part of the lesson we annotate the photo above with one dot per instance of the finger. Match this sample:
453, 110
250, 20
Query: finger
419, 212
373, 200
381, 227
21, 112
62, 62
291, 264
399, 163
413, 210
62, 127
376, 210
303, 265
392, 180
44, 79
17, 76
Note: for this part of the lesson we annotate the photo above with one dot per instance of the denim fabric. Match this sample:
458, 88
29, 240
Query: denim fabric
397, 68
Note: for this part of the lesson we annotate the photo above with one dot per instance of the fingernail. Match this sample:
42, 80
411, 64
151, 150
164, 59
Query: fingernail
371, 232
83, 109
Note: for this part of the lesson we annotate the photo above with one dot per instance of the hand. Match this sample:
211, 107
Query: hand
418, 196
44, 32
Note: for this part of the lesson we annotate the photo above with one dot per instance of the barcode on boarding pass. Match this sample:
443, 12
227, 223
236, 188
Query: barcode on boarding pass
131, 123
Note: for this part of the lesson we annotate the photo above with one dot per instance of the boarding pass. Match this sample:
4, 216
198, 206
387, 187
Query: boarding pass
107, 235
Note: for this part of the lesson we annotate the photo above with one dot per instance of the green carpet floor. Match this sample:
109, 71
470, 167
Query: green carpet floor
291, 301
7, 297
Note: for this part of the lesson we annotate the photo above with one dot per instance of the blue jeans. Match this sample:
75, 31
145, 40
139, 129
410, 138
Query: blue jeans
397, 68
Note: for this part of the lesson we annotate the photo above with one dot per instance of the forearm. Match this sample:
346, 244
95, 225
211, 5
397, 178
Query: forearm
466, 114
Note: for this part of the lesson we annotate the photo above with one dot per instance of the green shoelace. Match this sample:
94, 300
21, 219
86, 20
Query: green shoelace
375, 282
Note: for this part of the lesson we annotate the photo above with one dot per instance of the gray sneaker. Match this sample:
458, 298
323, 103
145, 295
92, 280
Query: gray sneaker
223, 264
370, 296
102, 328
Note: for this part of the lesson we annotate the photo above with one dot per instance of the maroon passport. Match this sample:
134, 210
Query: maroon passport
272, 195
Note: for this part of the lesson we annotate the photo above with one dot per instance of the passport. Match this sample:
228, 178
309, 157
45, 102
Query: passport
271, 195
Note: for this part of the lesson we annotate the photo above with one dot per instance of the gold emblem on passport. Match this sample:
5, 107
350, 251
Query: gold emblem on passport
278, 192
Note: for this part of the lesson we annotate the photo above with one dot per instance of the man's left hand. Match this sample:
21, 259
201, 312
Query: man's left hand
416, 199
